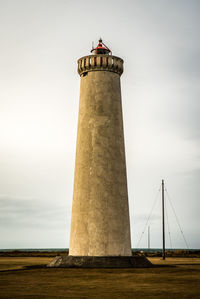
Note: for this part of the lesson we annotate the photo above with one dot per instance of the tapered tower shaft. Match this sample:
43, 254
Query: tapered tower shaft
100, 213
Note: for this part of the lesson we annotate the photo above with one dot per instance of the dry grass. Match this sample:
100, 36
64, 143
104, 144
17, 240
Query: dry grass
179, 278
13, 263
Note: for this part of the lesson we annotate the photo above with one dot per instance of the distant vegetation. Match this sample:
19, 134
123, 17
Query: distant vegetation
169, 253
148, 253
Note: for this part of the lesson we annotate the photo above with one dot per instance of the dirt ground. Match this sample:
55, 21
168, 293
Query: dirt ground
174, 278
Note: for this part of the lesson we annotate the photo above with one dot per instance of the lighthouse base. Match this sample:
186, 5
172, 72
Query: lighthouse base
100, 262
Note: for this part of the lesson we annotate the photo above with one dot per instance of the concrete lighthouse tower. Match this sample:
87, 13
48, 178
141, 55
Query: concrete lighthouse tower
100, 214
100, 226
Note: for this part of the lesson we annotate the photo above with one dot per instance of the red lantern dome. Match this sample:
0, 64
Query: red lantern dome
101, 49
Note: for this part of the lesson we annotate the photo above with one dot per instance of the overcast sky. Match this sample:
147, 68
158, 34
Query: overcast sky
40, 43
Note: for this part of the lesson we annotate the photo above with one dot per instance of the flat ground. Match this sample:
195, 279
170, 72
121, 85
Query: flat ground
175, 278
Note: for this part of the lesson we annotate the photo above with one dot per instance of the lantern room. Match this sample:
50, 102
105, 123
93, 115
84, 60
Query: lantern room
101, 49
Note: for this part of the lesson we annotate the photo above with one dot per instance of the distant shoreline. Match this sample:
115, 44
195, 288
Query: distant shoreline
67, 249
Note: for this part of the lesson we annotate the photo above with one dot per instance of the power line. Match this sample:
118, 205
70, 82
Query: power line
177, 219
154, 203
168, 226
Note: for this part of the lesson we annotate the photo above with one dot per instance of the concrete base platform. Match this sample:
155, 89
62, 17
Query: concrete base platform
100, 262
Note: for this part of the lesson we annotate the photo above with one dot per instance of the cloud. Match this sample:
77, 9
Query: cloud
31, 212
159, 42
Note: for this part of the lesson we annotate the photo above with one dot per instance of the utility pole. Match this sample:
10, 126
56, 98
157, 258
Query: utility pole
163, 218
148, 237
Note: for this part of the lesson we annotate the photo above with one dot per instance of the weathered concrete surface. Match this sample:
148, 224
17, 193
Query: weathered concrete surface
100, 262
100, 213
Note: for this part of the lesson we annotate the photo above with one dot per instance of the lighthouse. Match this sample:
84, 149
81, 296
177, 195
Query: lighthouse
100, 224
